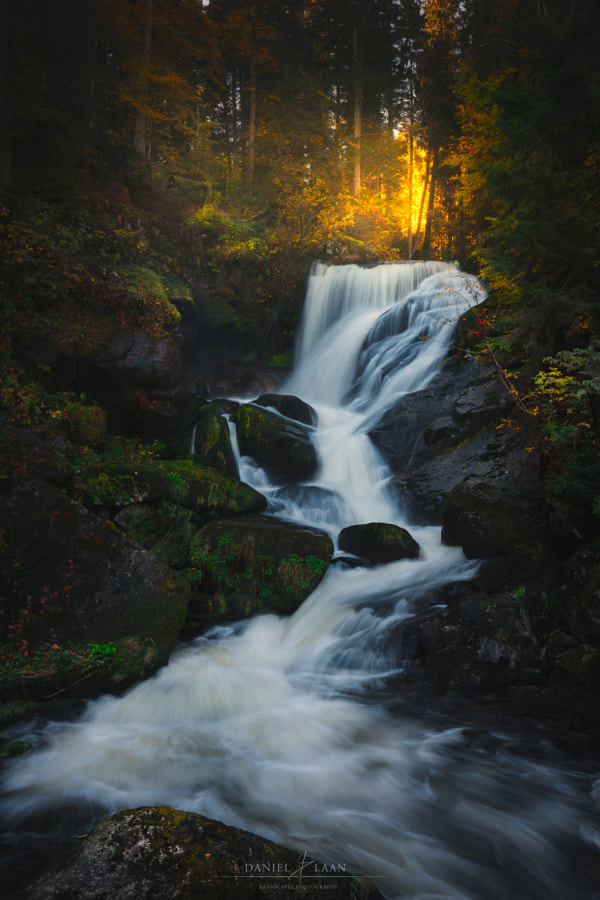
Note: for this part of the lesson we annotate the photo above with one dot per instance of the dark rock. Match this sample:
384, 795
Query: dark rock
480, 644
482, 402
24, 455
486, 521
282, 448
378, 542
289, 406
69, 578
400, 435
500, 455
212, 444
160, 853
140, 382
258, 564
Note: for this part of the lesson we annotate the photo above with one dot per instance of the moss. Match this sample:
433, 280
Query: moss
200, 489
257, 564
213, 445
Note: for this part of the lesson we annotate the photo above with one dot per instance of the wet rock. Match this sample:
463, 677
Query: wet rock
257, 564
212, 443
378, 542
165, 854
405, 434
501, 455
479, 644
71, 580
289, 406
282, 448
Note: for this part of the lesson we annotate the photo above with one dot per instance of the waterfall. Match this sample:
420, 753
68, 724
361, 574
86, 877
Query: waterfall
292, 727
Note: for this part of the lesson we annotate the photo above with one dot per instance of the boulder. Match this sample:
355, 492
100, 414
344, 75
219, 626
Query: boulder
76, 594
211, 440
378, 542
486, 521
281, 447
163, 528
289, 406
141, 383
199, 488
407, 433
500, 455
478, 644
257, 564
24, 455
161, 853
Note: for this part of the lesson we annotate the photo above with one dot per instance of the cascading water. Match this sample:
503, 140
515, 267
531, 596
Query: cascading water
285, 726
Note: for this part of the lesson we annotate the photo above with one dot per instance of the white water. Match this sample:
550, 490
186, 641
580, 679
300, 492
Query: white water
279, 725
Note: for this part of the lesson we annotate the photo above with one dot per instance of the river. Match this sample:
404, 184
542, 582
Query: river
293, 728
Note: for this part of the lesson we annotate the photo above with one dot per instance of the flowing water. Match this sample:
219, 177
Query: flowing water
290, 727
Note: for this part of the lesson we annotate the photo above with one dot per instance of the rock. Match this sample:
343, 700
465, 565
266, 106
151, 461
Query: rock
163, 528
257, 564
378, 542
212, 443
483, 519
165, 854
500, 455
289, 406
282, 448
404, 435
141, 383
69, 580
200, 489
433, 438
482, 402
479, 644
24, 455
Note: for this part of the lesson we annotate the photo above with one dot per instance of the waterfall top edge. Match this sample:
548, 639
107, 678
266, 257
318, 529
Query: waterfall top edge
340, 264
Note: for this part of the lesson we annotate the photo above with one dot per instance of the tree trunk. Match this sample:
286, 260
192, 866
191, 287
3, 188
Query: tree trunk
141, 118
410, 186
358, 92
430, 206
5, 111
252, 117
422, 204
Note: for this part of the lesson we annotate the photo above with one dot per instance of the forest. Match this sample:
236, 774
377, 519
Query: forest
179, 181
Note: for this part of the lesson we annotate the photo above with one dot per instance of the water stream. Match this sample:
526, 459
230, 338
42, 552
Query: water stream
290, 727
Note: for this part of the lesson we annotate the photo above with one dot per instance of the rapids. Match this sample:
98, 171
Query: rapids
292, 728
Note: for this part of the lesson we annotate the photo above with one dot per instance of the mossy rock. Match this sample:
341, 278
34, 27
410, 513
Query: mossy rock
160, 853
282, 448
164, 529
378, 542
200, 489
72, 670
212, 444
69, 578
257, 564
